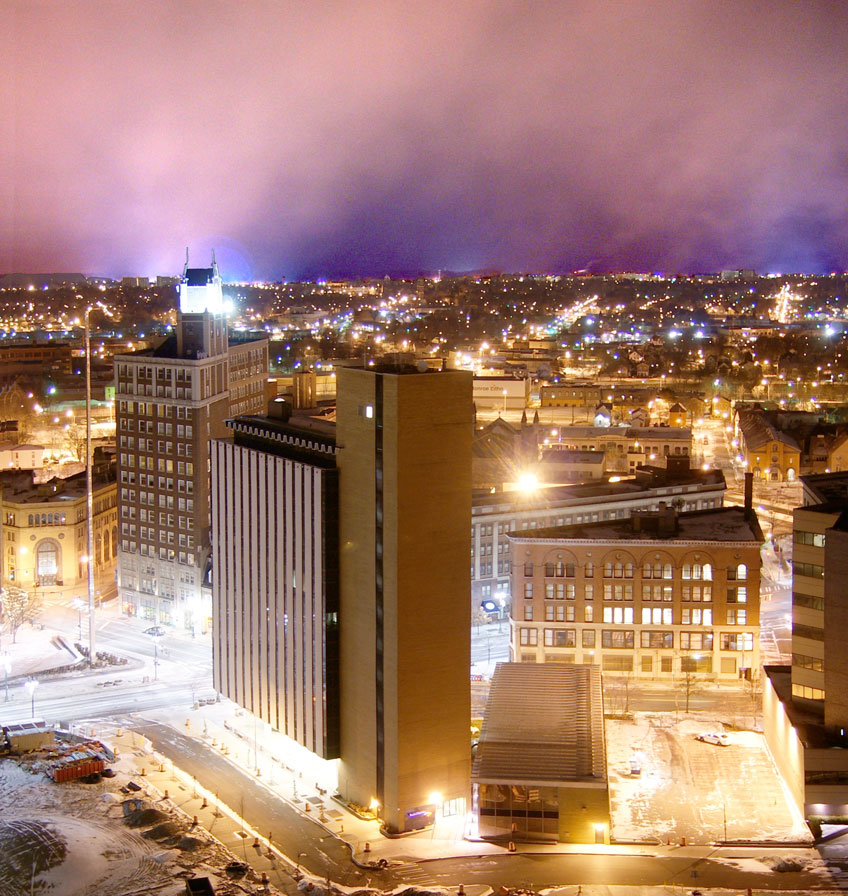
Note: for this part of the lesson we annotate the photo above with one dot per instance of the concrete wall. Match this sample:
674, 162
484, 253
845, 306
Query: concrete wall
584, 814
783, 742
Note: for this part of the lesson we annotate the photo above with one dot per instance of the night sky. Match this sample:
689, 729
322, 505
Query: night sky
307, 139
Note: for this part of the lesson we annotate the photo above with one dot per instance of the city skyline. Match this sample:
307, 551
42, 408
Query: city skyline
382, 139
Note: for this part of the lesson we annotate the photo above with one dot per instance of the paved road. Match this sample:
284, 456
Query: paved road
293, 833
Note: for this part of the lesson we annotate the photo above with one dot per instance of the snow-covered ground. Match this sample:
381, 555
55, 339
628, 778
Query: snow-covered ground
71, 840
694, 790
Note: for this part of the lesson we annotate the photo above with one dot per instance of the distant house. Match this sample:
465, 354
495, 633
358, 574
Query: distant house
677, 415
603, 415
640, 417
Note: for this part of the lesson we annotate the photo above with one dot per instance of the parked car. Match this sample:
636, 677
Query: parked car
155, 631
635, 767
719, 739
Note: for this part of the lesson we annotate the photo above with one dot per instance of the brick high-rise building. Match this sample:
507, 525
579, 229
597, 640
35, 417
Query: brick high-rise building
171, 400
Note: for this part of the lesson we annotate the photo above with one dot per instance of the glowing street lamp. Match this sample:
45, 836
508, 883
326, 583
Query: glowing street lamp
31, 684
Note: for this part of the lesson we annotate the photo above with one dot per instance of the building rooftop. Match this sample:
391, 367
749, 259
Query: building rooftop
301, 437
733, 524
826, 487
18, 486
543, 722
646, 478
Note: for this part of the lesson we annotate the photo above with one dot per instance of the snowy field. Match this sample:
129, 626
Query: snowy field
71, 840
697, 791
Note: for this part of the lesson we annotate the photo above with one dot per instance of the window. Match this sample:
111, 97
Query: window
528, 569
528, 590
549, 590
808, 662
560, 637
736, 616
813, 539
696, 616
807, 693
589, 613
529, 637
618, 615
588, 637
807, 631
47, 563
811, 570
528, 612
588, 592
734, 641
696, 640
657, 639
737, 595
697, 593
589, 571
737, 573
808, 600
656, 616
617, 638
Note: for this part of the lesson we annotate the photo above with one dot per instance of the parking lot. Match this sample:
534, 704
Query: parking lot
700, 791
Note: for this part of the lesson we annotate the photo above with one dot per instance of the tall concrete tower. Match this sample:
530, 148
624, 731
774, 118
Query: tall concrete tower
404, 459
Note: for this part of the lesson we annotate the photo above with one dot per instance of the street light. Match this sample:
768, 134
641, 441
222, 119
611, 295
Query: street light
156, 657
31, 685
89, 493
77, 604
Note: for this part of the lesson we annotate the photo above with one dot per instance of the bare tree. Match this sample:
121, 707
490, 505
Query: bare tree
75, 441
19, 606
690, 684
754, 690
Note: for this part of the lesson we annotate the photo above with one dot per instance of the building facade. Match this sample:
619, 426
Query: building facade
404, 458
805, 705
44, 533
171, 400
275, 577
662, 594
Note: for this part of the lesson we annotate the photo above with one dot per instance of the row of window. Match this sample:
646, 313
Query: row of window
813, 663
801, 690
807, 600
811, 570
624, 639
625, 570
624, 592
149, 550
813, 539
650, 615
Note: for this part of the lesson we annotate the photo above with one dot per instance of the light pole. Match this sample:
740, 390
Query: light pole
156, 657
77, 604
31, 685
89, 493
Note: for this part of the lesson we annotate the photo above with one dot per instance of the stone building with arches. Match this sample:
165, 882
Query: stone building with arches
43, 528
660, 595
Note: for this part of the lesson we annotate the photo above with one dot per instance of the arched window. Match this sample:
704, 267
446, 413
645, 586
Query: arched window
47, 563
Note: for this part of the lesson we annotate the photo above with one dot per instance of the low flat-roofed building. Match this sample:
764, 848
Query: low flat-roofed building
540, 768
